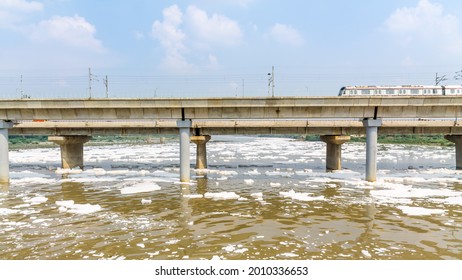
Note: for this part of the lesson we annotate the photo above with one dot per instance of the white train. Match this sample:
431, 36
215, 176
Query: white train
400, 90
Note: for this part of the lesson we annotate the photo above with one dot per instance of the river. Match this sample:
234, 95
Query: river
261, 198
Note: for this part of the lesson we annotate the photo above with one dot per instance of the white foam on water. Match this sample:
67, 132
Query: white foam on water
456, 200
68, 206
253, 172
68, 171
37, 221
275, 185
65, 203
257, 196
173, 241
249, 182
301, 196
366, 254
287, 255
35, 200
26, 174
95, 172
146, 201
420, 211
140, 188
278, 173
193, 196
221, 195
6, 211
33, 181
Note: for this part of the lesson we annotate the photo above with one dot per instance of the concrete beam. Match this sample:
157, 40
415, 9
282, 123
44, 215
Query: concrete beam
238, 108
201, 152
184, 127
334, 150
4, 159
371, 126
71, 149
456, 139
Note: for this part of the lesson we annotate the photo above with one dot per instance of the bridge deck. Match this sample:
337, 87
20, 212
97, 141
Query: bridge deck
233, 108
214, 127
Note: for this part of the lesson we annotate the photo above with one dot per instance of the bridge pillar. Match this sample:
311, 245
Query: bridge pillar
185, 162
334, 150
371, 147
71, 149
456, 139
201, 151
4, 160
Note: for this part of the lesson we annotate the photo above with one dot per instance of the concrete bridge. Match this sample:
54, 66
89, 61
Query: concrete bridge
71, 122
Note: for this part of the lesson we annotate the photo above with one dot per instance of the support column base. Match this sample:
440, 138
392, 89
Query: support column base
71, 149
201, 152
4, 150
334, 150
456, 139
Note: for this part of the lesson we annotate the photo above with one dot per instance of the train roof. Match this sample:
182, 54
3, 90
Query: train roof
402, 87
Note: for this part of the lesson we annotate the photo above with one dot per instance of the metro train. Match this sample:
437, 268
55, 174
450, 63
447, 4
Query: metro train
400, 90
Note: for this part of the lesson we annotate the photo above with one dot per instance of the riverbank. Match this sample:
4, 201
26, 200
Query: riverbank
31, 142
428, 140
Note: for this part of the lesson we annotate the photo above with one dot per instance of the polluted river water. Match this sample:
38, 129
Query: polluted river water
260, 198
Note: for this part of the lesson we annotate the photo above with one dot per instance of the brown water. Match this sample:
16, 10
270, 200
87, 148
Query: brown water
261, 198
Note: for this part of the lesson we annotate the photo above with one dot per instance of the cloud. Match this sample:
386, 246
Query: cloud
426, 22
73, 31
215, 30
286, 34
21, 5
193, 32
172, 39
12, 12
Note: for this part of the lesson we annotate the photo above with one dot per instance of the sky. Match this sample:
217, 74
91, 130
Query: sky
209, 48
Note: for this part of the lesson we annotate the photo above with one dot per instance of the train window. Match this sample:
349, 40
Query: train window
366, 91
414, 91
390, 91
452, 91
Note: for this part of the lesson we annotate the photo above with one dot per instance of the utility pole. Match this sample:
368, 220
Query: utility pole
458, 75
105, 81
89, 81
271, 82
438, 79
91, 78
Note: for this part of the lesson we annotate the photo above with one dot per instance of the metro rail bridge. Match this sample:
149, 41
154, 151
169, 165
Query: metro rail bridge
71, 122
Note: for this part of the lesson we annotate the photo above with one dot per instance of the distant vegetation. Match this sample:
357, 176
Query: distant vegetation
42, 141
437, 140
22, 141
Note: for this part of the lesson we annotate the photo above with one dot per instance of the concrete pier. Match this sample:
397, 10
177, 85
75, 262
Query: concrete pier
201, 151
334, 150
71, 149
371, 126
4, 160
456, 139
185, 161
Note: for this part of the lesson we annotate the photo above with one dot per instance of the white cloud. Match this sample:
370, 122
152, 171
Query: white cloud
72, 31
286, 34
426, 22
13, 12
213, 62
216, 29
180, 34
172, 39
21, 5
